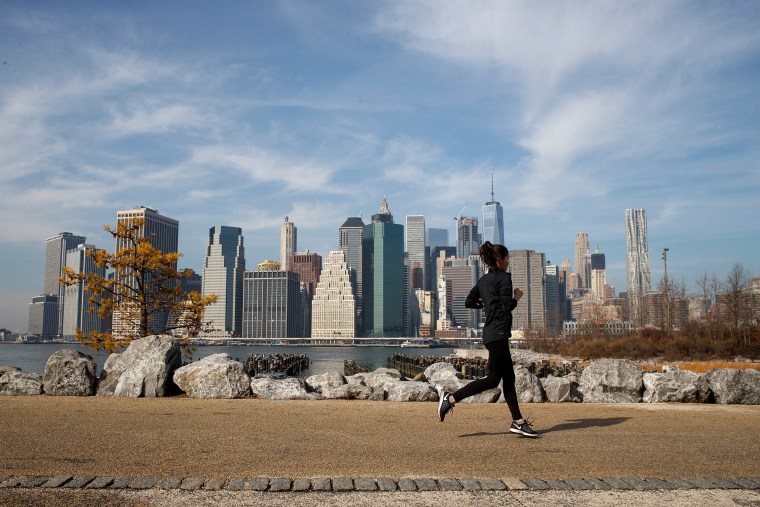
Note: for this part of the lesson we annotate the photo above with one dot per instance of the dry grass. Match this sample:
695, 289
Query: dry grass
705, 366
692, 345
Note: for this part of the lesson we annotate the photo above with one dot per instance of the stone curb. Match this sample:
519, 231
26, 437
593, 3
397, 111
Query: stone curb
370, 484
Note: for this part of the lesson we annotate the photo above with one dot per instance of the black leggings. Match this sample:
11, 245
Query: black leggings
499, 368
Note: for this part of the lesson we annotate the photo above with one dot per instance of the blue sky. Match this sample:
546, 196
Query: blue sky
240, 113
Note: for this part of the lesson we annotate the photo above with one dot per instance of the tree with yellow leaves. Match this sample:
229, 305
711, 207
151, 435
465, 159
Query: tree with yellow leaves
143, 295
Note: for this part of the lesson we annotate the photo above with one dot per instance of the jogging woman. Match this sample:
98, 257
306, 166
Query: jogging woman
493, 293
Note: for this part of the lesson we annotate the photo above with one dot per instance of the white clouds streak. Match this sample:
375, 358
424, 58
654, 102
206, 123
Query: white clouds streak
595, 81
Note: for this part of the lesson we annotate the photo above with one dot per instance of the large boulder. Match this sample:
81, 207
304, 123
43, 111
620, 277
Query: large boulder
612, 381
15, 382
348, 392
145, 368
731, 385
442, 366
380, 376
675, 385
357, 378
214, 376
69, 373
328, 379
527, 386
445, 377
410, 390
290, 388
561, 389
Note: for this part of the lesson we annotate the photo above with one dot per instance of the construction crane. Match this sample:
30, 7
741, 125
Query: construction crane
459, 215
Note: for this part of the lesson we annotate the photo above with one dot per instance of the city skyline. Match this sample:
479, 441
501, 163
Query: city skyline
248, 114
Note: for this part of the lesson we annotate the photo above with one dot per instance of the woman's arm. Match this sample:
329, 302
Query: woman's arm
473, 299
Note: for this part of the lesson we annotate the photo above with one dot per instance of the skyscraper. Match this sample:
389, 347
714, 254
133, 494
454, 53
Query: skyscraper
43, 316
598, 275
288, 243
554, 299
163, 234
223, 276
415, 246
271, 304
461, 275
527, 267
493, 220
308, 265
383, 275
437, 237
333, 308
468, 239
55, 258
637, 262
583, 259
350, 242
76, 306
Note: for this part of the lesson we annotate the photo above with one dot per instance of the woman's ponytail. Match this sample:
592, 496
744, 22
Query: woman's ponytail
491, 254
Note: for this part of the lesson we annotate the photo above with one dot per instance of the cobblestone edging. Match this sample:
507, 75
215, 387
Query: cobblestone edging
364, 484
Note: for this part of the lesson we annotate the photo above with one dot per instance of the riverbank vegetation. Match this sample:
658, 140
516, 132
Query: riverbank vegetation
696, 342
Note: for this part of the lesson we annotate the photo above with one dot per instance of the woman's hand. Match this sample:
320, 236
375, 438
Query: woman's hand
518, 293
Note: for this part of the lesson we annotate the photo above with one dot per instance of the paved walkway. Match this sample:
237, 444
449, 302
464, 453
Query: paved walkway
174, 450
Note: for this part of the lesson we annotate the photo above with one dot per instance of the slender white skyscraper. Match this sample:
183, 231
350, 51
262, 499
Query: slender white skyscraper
637, 261
334, 305
493, 220
415, 246
76, 311
223, 276
288, 243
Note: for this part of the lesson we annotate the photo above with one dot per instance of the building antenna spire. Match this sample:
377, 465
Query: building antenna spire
492, 185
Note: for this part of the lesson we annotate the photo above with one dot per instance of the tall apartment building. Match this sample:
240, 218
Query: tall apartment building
43, 316
415, 246
468, 238
637, 262
598, 275
437, 237
461, 275
527, 267
55, 258
334, 306
223, 275
350, 243
493, 220
191, 283
163, 234
308, 265
383, 275
271, 305
288, 243
554, 298
583, 259
76, 310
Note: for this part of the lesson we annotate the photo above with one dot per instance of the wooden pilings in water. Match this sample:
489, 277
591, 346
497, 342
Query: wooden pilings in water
290, 364
412, 365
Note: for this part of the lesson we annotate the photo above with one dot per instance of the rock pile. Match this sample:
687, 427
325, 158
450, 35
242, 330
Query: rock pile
152, 366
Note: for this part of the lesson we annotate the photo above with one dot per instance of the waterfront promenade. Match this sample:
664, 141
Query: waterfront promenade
181, 437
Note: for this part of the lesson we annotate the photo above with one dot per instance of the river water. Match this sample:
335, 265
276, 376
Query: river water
33, 356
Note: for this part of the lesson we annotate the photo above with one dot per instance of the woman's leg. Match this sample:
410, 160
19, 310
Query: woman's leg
490, 381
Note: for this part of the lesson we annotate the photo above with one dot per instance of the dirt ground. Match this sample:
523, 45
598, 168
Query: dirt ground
180, 436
